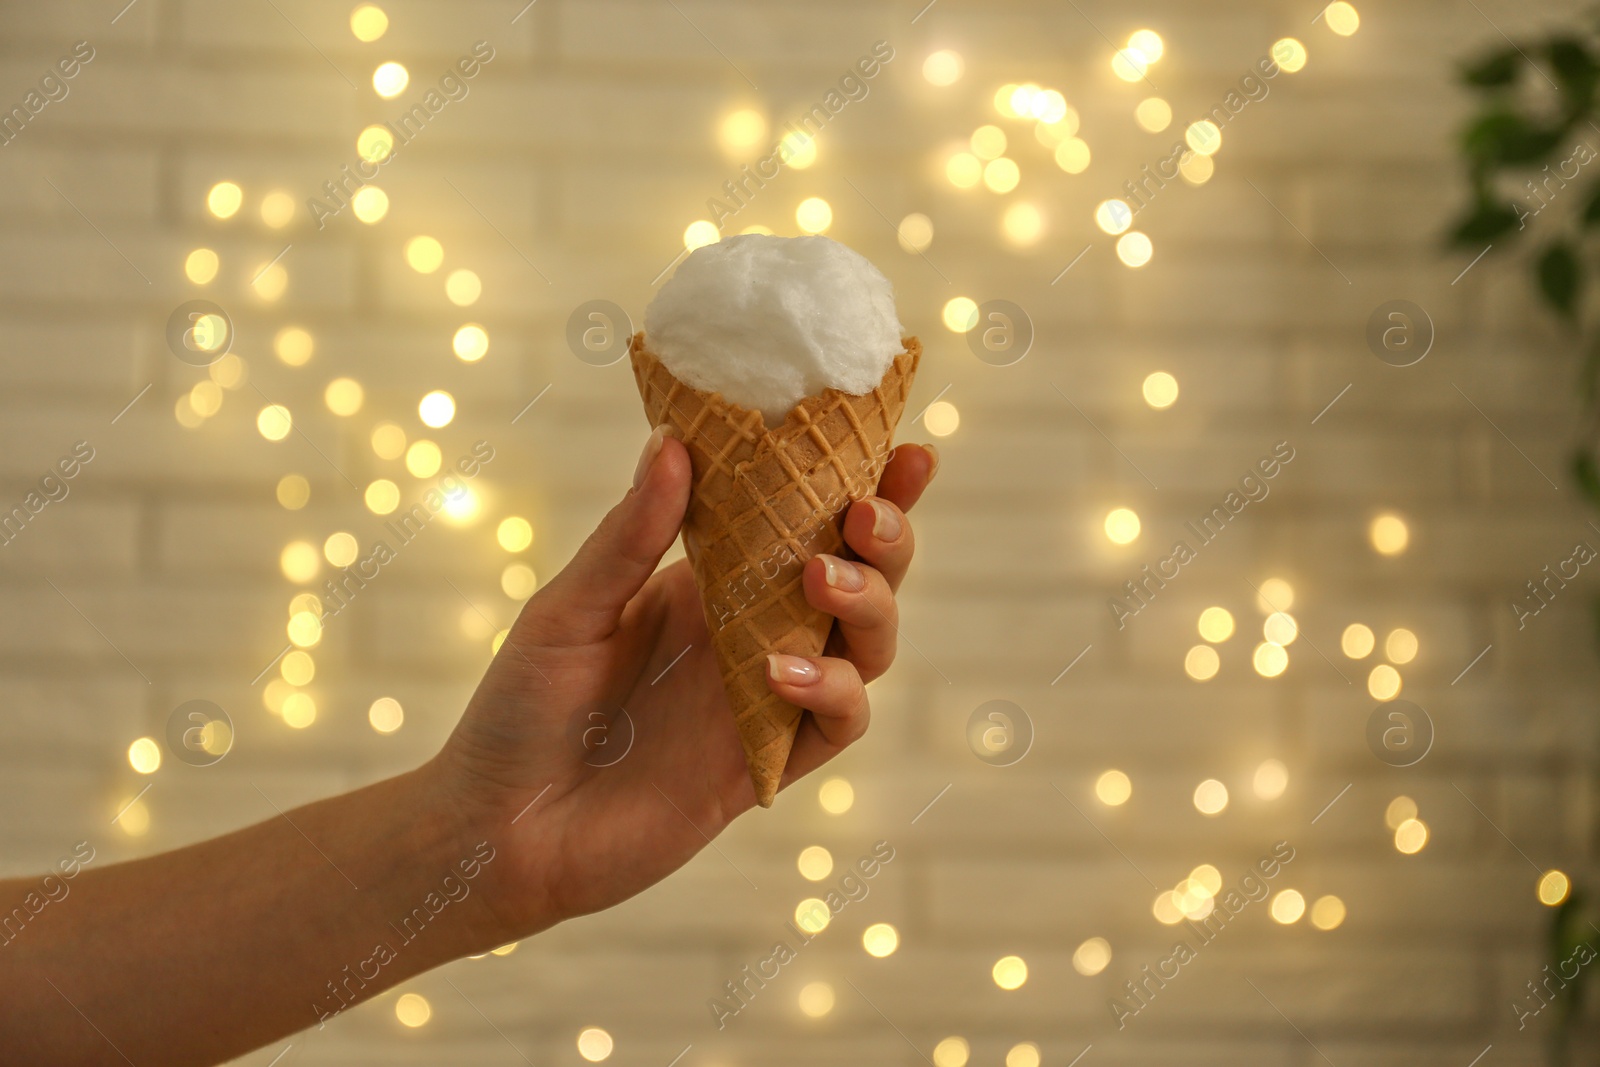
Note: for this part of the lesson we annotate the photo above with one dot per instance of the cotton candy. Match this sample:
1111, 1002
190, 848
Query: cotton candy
768, 321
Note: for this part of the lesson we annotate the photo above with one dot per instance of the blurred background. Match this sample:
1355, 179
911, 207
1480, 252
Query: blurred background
271, 267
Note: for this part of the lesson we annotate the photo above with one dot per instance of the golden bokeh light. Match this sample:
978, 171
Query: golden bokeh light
1072, 155
1160, 390
1092, 957
915, 232
1399, 810
515, 533
943, 67
1196, 168
518, 581
1122, 526
269, 281
413, 1010
1357, 641
375, 144
1113, 216
368, 22
382, 496
386, 715
299, 711
144, 756
1134, 249
1401, 646
201, 266
344, 396
1554, 886
988, 142
1113, 788
814, 215
370, 204
1050, 107
815, 863
1204, 137
229, 372
293, 346
297, 668
816, 999
1216, 624
836, 796
1023, 224
390, 80
1019, 105
1207, 879
741, 131
1274, 594
880, 940
277, 209
1288, 906
388, 440
304, 629
294, 492
134, 820
471, 343
1001, 175
1010, 972
1270, 660
700, 233
963, 170
224, 199
1202, 663
423, 459
1383, 683
463, 287
960, 314
424, 254
1023, 1055
1129, 64
1153, 114
1289, 54
1210, 797
812, 915
1327, 913
186, 415
206, 398
1271, 779
797, 150
463, 508
305, 602
341, 548
1280, 628
274, 421
1411, 836
951, 1052
1342, 18
436, 409
1389, 534
1166, 908
594, 1044
1149, 44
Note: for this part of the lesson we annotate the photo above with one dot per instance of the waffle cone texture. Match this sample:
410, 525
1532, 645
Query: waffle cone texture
764, 502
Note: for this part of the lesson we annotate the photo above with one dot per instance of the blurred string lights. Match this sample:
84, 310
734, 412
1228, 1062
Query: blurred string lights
990, 160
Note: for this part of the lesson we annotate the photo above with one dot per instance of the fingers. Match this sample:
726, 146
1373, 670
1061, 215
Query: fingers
880, 534
584, 602
907, 474
832, 691
859, 597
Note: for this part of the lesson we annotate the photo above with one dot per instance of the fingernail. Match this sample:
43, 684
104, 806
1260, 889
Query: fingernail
841, 574
792, 669
885, 522
933, 454
652, 449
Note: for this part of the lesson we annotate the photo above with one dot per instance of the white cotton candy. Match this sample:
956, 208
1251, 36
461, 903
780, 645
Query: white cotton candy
769, 321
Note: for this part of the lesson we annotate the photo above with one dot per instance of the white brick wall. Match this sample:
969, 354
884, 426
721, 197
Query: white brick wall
589, 143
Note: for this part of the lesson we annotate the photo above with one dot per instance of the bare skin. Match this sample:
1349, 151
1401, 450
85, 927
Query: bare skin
505, 833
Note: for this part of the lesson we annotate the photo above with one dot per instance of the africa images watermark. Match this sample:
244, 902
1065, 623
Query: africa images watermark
403, 130
53, 488
1254, 887
1138, 595
851, 88
452, 889
52, 88
1541, 596
54, 889
1544, 993
753, 978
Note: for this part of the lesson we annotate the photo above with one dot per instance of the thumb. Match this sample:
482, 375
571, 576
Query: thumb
585, 601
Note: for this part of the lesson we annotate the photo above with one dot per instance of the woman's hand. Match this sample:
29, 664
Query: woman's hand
583, 822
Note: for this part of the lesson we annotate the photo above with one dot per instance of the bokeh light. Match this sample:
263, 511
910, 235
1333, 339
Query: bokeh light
518, 581
1202, 663
942, 418
741, 132
390, 80
988, 142
1271, 779
1389, 534
1288, 906
298, 668
514, 533
375, 143
1210, 797
386, 715
1216, 624
1092, 957
1022, 224
700, 233
1073, 155
1399, 810
1383, 683
201, 266
413, 1010
1160, 390
224, 199
836, 796
1001, 175
382, 496
1274, 594
299, 711
368, 22
1270, 660
274, 421
471, 343
294, 492
423, 459
1122, 526
463, 287
915, 232
815, 863
144, 756
1327, 913
960, 314
1010, 972
1554, 886
1204, 137
1357, 641
1342, 18
880, 940
1289, 54
943, 67
370, 204
424, 254
1411, 836
1129, 64
594, 1044
1023, 1055
964, 170
814, 215
388, 440
816, 999
951, 1052
344, 396
1401, 646
293, 346
277, 209
1153, 114
1149, 44
1134, 249
436, 409
1113, 216
341, 548
1280, 628
1113, 788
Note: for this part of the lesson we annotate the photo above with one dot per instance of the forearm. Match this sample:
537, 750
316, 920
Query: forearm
197, 955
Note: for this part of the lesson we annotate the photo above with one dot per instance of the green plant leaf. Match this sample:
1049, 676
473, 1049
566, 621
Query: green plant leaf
1559, 277
1575, 71
1493, 71
1486, 222
1503, 137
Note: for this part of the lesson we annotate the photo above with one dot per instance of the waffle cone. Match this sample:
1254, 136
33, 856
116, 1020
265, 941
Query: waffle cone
762, 504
